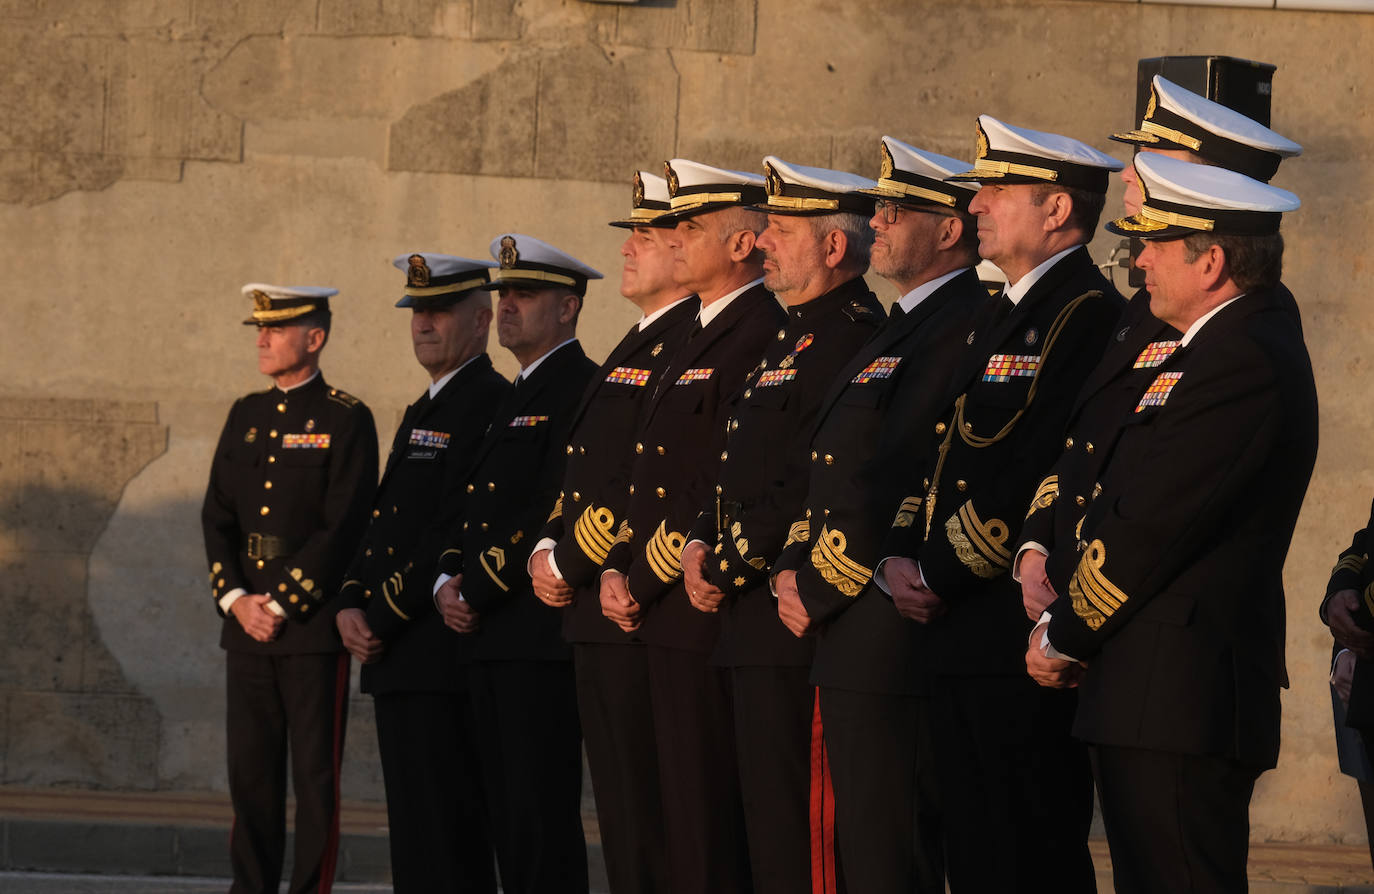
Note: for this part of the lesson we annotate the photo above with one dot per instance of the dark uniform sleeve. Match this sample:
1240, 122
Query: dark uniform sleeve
1208, 446
219, 520
1349, 571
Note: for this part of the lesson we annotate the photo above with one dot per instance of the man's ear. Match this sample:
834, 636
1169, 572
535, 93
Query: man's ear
1058, 207
1213, 267
741, 244
836, 244
315, 338
568, 306
951, 231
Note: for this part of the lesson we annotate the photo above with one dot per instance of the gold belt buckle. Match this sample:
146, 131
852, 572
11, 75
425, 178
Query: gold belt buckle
255, 546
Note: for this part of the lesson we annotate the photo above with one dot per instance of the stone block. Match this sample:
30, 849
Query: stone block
202, 852
418, 18
97, 741
52, 97
100, 17
723, 26
157, 108
16, 176
162, 170
496, 20
485, 127
61, 409
41, 647
745, 151
603, 115
365, 858
73, 475
191, 755
319, 138
121, 848
256, 16
59, 174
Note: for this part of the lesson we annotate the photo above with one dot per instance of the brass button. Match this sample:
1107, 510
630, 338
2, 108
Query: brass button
661, 492
968, 426
814, 456
925, 482
639, 447
734, 425
294, 598
395, 510
1088, 446
569, 450
281, 408
719, 490
782, 333
271, 459
660, 449
940, 428
272, 433
724, 455
491, 485
581, 451
749, 392
1068, 443
390, 551
829, 460
576, 496
367, 594
281, 588
304, 609
632, 490
961, 484
465, 527
267, 485
485, 526
220, 582
808, 513
1079, 500
471, 488
376, 512
260, 563
264, 510
368, 551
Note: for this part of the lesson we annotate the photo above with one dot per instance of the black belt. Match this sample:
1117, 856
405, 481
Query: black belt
267, 546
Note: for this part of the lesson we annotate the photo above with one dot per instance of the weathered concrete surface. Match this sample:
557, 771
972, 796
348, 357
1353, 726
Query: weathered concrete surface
155, 156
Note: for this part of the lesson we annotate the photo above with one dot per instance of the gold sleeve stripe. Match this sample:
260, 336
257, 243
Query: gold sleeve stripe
980, 545
450, 552
625, 534
1045, 495
800, 532
1095, 599
664, 553
1353, 562
498, 557
838, 570
557, 508
906, 513
592, 531
394, 585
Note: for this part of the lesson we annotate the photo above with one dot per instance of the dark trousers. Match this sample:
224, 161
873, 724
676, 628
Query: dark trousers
772, 713
1175, 822
699, 781
887, 801
1011, 773
434, 801
529, 748
614, 707
277, 703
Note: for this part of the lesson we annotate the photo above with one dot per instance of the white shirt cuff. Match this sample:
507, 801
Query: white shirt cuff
1016, 563
547, 543
228, 599
275, 609
1331, 678
1046, 647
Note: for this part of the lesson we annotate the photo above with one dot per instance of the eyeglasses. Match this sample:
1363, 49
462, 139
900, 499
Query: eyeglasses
888, 212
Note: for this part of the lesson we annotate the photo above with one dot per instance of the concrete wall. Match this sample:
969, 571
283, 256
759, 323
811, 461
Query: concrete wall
156, 154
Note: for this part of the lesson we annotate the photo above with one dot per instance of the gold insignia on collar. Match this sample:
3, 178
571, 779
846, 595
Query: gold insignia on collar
251, 436
1153, 104
261, 301
658, 349
508, 254
638, 194
671, 176
773, 180
982, 142
418, 274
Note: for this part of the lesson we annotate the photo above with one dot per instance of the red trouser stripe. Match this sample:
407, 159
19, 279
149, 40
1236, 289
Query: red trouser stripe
331, 851
822, 810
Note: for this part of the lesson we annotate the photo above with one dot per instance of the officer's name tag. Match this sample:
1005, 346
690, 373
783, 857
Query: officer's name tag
880, 368
628, 375
423, 437
775, 377
1004, 367
1159, 390
695, 375
304, 440
1155, 353
527, 421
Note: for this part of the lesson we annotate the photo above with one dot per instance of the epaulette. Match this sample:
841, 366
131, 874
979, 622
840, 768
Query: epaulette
343, 397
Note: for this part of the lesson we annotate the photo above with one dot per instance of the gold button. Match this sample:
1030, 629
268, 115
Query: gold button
484, 526
376, 512
576, 496
465, 527
267, 485
281, 588
940, 428
814, 456
749, 392
660, 449
569, 450
272, 433
390, 551
367, 594
734, 425
220, 582
968, 426
1088, 446
271, 459
829, 460
264, 510
961, 484
305, 608
294, 598
639, 447
782, 333
719, 490
260, 563
491, 485
471, 488
1080, 501
724, 455
581, 451
1068, 443
808, 513
632, 490
368, 551
925, 482
661, 492
281, 408
394, 510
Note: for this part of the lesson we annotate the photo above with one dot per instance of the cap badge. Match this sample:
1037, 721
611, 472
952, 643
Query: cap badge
1153, 104
508, 255
261, 301
639, 191
418, 274
982, 142
774, 181
1031, 335
671, 176
886, 172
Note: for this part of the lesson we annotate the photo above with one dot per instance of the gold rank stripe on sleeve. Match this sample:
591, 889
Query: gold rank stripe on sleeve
880, 368
423, 437
906, 513
1159, 390
800, 532
1155, 353
626, 375
775, 377
742, 547
304, 440
1094, 598
625, 534
493, 561
981, 546
1005, 367
392, 586
838, 570
527, 421
1045, 495
592, 531
695, 375
557, 507
664, 553
1351, 562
